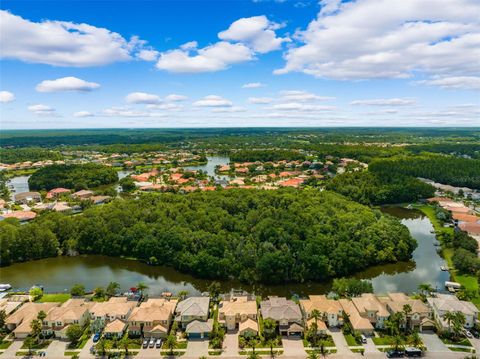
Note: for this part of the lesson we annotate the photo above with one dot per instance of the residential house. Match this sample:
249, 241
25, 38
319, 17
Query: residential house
330, 309
22, 216
359, 323
20, 320
9, 306
421, 316
237, 310
286, 313
25, 197
56, 192
199, 328
83, 194
371, 308
114, 309
248, 328
193, 308
445, 303
115, 329
152, 318
58, 319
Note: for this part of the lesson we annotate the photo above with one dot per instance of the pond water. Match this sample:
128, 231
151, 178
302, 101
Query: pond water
209, 167
60, 273
18, 184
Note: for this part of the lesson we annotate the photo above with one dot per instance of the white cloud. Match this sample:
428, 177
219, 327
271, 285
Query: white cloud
303, 96
368, 39
218, 56
213, 101
454, 82
253, 85
385, 102
174, 97
257, 31
142, 98
83, 114
128, 112
148, 55
260, 100
6, 96
42, 110
298, 106
66, 84
166, 106
62, 43
232, 109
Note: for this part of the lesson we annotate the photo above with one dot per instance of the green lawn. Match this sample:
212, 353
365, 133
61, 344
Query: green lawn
464, 342
351, 340
382, 340
55, 297
5, 344
38, 345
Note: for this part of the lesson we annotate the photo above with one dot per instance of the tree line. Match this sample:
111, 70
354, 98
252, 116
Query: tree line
74, 176
252, 235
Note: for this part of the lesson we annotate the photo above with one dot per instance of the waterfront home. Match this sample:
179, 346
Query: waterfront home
22, 216
9, 306
83, 194
54, 206
58, 319
56, 192
20, 320
114, 308
25, 197
152, 318
330, 309
199, 328
115, 329
237, 310
193, 308
421, 316
286, 313
359, 323
445, 303
371, 308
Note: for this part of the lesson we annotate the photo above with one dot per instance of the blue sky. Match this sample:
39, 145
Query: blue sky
87, 64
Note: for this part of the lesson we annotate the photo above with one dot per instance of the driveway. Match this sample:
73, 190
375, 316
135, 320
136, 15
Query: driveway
12, 349
293, 346
433, 342
196, 348
85, 352
56, 349
230, 345
370, 346
339, 340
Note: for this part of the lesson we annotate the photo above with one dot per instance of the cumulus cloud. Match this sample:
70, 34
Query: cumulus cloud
66, 84
83, 114
42, 110
454, 82
257, 31
260, 100
166, 106
368, 39
218, 56
6, 96
384, 102
142, 98
213, 101
253, 85
148, 55
299, 106
128, 112
63, 43
174, 97
303, 96
232, 109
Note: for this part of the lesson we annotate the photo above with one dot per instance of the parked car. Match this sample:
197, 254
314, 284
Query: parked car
96, 337
395, 354
413, 352
152, 343
468, 334
158, 343
145, 344
364, 339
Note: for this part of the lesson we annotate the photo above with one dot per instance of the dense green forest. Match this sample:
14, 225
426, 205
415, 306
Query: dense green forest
251, 235
266, 155
32, 154
76, 177
451, 170
372, 189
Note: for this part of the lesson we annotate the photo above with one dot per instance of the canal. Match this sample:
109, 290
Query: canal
60, 273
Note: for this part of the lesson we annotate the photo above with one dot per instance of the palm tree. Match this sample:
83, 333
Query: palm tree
321, 344
459, 321
41, 317
269, 326
102, 347
425, 288
183, 293
315, 315
142, 287
36, 327
253, 342
407, 309
397, 341
112, 288
171, 343
415, 339
125, 343
313, 355
253, 356
29, 344
271, 343
449, 317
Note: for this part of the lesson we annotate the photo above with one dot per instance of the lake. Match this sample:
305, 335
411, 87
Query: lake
60, 273
209, 167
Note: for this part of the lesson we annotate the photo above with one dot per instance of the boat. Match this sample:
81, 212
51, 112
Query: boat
444, 268
4, 287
